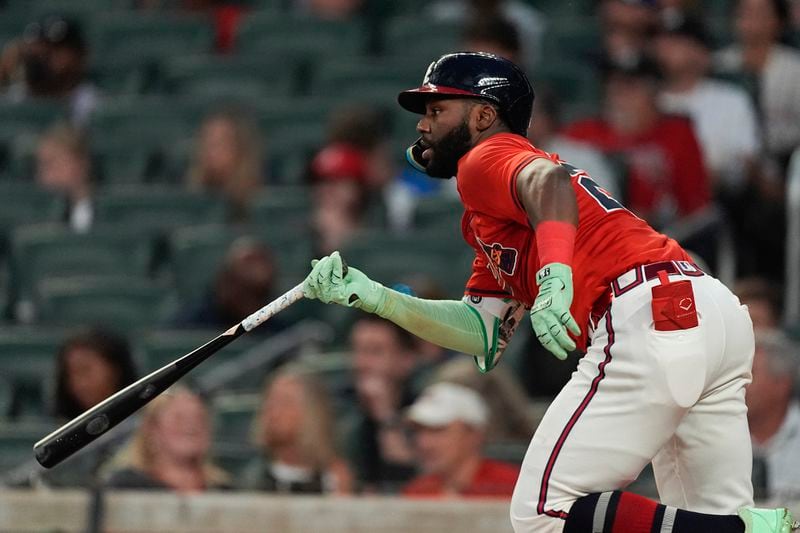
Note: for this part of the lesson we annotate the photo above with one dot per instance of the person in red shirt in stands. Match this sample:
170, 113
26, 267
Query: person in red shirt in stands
449, 423
667, 179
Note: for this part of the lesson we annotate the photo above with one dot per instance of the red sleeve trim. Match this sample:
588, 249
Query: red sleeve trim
513, 180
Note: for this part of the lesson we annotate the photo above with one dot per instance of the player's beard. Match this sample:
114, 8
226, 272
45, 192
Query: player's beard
447, 152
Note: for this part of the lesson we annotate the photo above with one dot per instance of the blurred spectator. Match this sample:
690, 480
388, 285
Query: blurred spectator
449, 424
544, 133
91, 365
773, 413
495, 35
667, 179
764, 301
228, 159
771, 69
63, 166
511, 417
627, 27
353, 175
383, 360
723, 115
295, 434
49, 62
170, 449
530, 23
244, 283
330, 9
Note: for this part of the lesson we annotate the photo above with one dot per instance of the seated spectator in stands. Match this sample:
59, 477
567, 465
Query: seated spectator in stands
723, 115
383, 360
627, 27
449, 424
667, 179
511, 415
63, 166
353, 175
495, 35
244, 283
228, 159
530, 23
49, 62
170, 449
295, 435
773, 413
769, 69
330, 9
544, 133
764, 301
91, 365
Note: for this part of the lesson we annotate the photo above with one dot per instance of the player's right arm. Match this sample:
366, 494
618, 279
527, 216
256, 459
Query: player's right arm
480, 327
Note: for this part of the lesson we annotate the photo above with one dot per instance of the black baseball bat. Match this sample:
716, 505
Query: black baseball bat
85, 428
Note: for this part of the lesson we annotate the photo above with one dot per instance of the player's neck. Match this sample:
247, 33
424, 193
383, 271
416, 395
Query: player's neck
481, 136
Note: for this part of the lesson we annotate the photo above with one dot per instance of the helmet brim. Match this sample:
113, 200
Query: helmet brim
414, 100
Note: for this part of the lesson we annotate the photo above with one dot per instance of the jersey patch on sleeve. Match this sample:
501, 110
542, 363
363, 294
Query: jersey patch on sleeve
501, 258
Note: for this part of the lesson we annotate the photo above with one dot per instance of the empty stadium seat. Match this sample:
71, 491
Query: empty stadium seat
17, 440
298, 36
157, 208
120, 302
25, 203
41, 251
439, 212
157, 35
421, 39
27, 363
269, 76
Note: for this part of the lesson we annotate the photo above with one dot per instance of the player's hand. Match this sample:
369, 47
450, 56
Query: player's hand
327, 284
550, 314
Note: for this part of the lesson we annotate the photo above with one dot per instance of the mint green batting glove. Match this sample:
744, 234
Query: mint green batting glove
550, 314
327, 284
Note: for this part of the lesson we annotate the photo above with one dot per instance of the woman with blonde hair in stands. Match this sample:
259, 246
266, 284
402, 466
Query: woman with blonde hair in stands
228, 159
294, 430
170, 449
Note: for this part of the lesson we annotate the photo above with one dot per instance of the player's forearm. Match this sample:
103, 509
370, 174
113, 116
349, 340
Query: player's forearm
448, 323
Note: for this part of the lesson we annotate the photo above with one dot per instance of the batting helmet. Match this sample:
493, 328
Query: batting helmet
476, 75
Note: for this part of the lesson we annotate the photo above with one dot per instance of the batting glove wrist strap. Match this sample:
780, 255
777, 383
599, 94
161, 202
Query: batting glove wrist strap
550, 315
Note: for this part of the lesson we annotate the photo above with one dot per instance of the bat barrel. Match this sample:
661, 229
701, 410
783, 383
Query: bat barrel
87, 427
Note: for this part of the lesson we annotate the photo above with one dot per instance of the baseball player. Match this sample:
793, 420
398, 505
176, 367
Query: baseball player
668, 348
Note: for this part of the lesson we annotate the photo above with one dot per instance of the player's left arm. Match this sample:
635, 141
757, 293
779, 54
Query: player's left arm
545, 191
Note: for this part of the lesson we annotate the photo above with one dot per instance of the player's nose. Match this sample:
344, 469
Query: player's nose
423, 125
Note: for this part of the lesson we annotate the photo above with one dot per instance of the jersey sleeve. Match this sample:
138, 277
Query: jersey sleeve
487, 178
481, 282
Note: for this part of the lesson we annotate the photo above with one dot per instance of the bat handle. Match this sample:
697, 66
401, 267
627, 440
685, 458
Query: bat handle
282, 302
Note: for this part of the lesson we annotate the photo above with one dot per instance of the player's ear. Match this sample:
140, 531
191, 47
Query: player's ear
485, 116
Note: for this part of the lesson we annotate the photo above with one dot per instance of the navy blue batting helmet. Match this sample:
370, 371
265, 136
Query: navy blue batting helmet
476, 75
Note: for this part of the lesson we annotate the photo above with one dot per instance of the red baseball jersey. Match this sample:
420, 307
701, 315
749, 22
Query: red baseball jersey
610, 240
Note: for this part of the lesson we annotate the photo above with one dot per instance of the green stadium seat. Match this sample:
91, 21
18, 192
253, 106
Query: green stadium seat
391, 259
421, 40
233, 415
299, 37
157, 208
268, 77
26, 203
32, 115
116, 301
140, 121
17, 440
156, 35
281, 208
289, 151
572, 37
27, 363
41, 251
123, 73
439, 212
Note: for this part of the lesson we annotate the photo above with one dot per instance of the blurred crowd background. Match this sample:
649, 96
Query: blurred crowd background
169, 166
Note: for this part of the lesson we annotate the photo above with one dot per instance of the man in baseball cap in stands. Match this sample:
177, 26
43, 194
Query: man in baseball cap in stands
449, 423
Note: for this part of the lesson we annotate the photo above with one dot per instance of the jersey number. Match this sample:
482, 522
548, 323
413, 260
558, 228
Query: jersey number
605, 200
